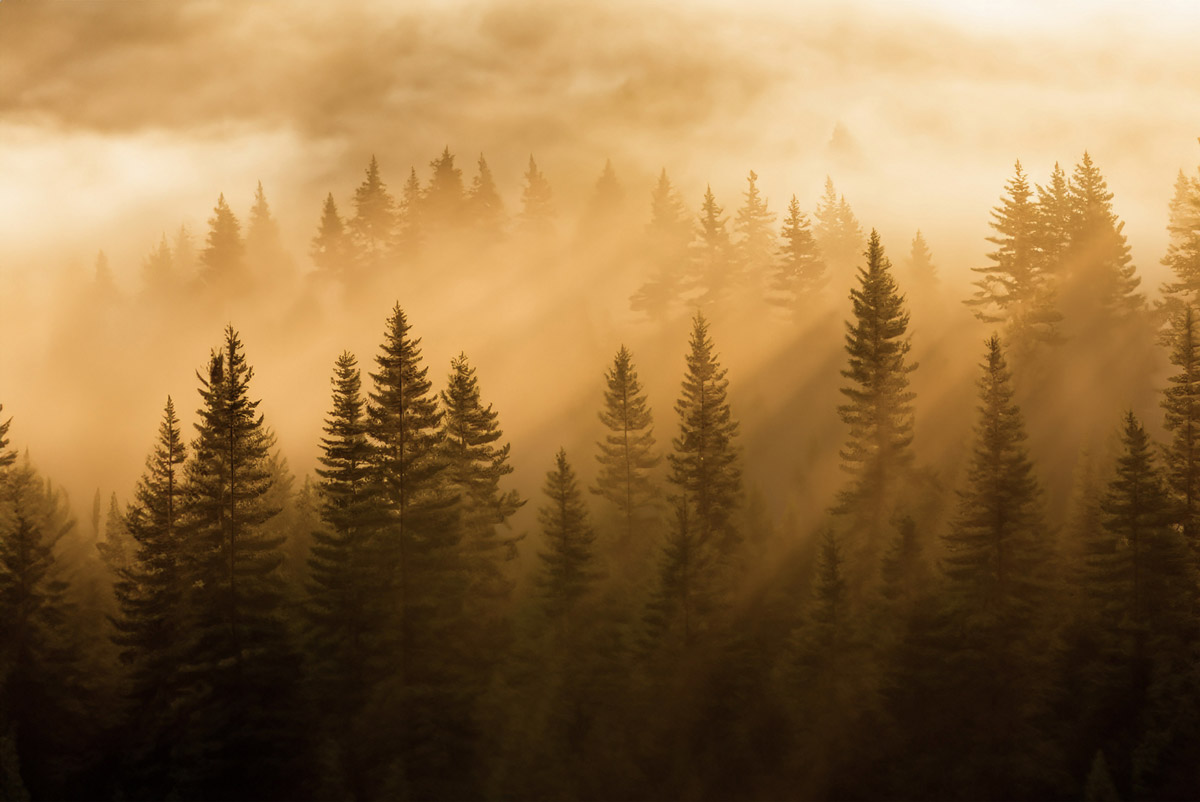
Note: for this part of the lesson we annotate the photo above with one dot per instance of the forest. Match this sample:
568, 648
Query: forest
939, 546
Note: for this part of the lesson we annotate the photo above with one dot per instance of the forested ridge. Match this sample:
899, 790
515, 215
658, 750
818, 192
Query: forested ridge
690, 607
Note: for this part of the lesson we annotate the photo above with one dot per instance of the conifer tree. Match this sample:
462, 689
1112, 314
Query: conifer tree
705, 464
484, 203
1014, 289
223, 254
997, 543
1100, 271
150, 622
879, 408
627, 454
1143, 569
158, 270
341, 559
374, 218
331, 248
183, 254
537, 202
1183, 249
410, 225
756, 239
566, 569
800, 273
920, 262
7, 457
685, 599
239, 652
1054, 223
264, 246
667, 237
475, 468
839, 236
604, 205
41, 689
444, 195
1181, 400
714, 272
116, 549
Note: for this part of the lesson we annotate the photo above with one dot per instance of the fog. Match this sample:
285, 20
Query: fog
122, 121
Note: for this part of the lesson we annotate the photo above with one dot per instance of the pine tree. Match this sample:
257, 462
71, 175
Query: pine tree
756, 239
667, 237
444, 197
41, 692
1181, 400
566, 570
1099, 269
705, 465
483, 203
239, 655
150, 621
183, 254
374, 219
627, 454
341, 559
1014, 290
223, 254
331, 248
920, 262
997, 544
475, 467
116, 549
604, 206
839, 236
1054, 223
410, 223
713, 270
158, 270
1144, 570
537, 202
799, 270
1183, 249
879, 409
7, 457
264, 246
681, 608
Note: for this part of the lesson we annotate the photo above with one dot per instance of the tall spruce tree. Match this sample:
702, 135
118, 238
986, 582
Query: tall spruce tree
879, 411
800, 273
537, 202
223, 256
374, 219
483, 202
667, 237
705, 463
475, 467
567, 572
755, 247
7, 457
240, 736
1181, 401
1014, 289
627, 454
714, 271
1183, 248
410, 223
331, 248
839, 236
920, 262
444, 194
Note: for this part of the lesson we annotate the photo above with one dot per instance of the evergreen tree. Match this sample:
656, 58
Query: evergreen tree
713, 270
839, 236
444, 196
158, 270
627, 454
116, 549
223, 254
239, 737
705, 465
1054, 222
920, 262
476, 467
996, 544
484, 203
331, 248
667, 237
183, 254
566, 574
410, 225
149, 624
879, 408
7, 457
1183, 249
1015, 290
374, 219
604, 206
42, 696
1181, 400
537, 202
756, 239
681, 608
1099, 269
264, 246
799, 269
